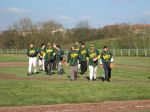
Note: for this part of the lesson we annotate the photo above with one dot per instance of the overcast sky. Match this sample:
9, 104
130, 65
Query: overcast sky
68, 12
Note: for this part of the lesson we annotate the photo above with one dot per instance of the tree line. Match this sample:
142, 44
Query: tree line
24, 31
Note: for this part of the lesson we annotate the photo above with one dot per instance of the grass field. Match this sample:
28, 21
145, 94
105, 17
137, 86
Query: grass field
130, 81
13, 58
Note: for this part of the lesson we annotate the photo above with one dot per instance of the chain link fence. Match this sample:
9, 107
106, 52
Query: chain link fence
116, 52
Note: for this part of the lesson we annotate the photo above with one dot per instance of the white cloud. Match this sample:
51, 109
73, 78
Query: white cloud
123, 0
14, 10
142, 14
66, 18
146, 13
85, 17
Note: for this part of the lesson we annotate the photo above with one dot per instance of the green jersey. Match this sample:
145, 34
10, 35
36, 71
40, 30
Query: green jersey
93, 54
32, 52
106, 56
59, 55
49, 54
73, 58
83, 54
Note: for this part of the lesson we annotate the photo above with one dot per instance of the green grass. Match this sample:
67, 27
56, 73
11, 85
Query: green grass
13, 58
126, 84
141, 111
112, 43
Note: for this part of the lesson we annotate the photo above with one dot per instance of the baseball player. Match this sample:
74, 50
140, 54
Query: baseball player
41, 57
54, 63
77, 48
106, 60
32, 53
73, 56
49, 59
59, 58
93, 55
83, 54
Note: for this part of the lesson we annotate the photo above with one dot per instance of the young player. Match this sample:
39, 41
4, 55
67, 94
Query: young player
73, 62
59, 58
32, 53
77, 48
93, 55
54, 63
41, 57
49, 59
105, 61
83, 54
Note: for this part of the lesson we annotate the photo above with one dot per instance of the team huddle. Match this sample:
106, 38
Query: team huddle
51, 57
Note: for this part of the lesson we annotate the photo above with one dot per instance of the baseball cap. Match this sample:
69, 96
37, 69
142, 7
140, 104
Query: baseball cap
82, 43
92, 45
105, 47
49, 44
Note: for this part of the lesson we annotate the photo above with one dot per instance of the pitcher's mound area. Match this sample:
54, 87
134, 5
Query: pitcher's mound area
112, 106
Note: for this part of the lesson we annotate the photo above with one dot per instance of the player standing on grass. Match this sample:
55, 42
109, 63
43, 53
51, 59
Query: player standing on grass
41, 57
77, 48
73, 57
49, 59
106, 60
54, 63
59, 58
32, 53
93, 55
83, 54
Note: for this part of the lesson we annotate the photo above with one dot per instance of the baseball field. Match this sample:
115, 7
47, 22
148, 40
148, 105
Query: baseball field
129, 89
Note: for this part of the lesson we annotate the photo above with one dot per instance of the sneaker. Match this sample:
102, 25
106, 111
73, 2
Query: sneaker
94, 79
108, 80
28, 74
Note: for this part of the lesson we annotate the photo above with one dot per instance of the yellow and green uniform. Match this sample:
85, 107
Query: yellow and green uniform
41, 52
106, 57
32, 52
77, 49
73, 57
83, 54
93, 54
49, 54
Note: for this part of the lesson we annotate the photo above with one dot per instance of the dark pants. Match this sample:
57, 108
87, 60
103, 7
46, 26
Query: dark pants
49, 67
54, 65
107, 71
83, 67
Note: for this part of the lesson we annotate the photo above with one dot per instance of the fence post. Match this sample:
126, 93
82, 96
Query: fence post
114, 52
1, 51
121, 52
129, 52
137, 52
12, 51
145, 52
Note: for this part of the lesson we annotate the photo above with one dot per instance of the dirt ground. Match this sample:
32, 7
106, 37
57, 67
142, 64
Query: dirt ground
109, 106
13, 64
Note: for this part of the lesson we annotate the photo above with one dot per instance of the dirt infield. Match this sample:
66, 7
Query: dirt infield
13, 64
111, 106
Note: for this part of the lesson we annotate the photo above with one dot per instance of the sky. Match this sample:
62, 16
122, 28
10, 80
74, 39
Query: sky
69, 12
